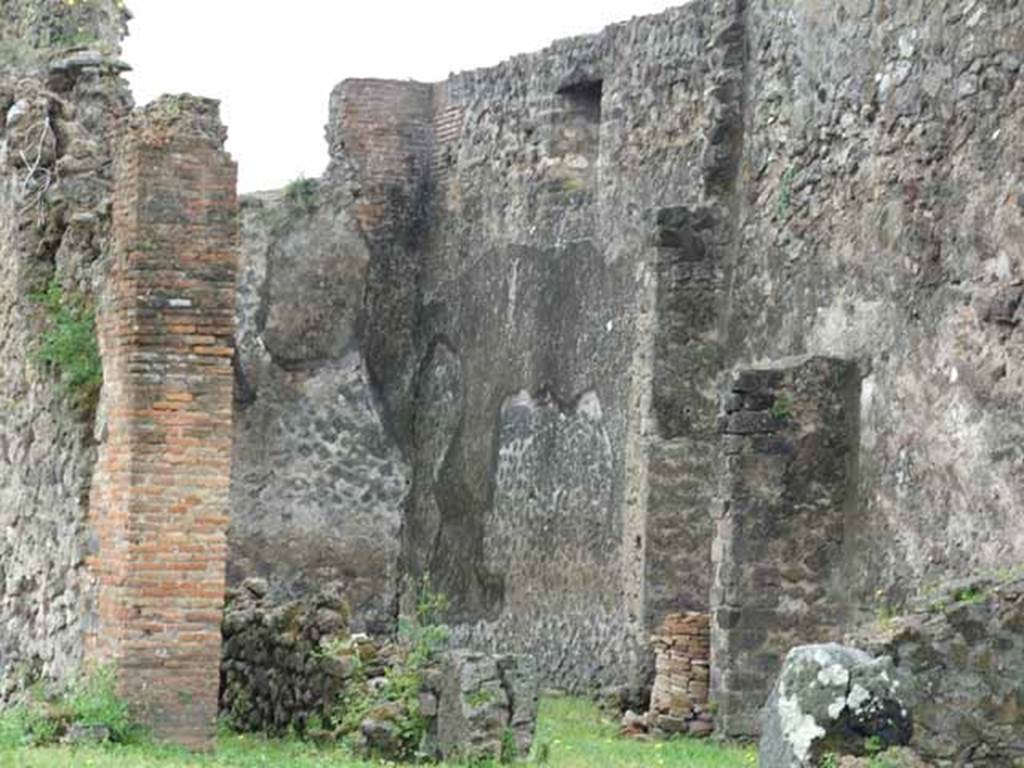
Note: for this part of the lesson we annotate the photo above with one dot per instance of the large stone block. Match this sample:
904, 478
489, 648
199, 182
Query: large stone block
487, 706
830, 699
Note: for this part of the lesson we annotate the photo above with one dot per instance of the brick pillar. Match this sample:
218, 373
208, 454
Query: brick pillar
160, 496
788, 483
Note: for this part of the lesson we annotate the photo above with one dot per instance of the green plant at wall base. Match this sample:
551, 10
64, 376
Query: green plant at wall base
509, 746
830, 760
69, 344
421, 639
873, 745
89, 701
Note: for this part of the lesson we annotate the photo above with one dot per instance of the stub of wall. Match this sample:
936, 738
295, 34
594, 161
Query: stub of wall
679, 698
790, 438
159, 505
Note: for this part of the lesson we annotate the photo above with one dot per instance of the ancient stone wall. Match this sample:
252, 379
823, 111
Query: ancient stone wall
563, 251
159, 505
512, 326
55, 194
881, 220
790, 439
32, 30
317, 483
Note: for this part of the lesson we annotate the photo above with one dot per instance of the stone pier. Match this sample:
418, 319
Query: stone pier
790, 437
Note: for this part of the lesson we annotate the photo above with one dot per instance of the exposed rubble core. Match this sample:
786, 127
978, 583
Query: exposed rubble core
962, 646
58, 108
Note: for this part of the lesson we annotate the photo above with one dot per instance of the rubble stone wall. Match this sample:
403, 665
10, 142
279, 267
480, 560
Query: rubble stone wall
562, 253
880, 220
57, 122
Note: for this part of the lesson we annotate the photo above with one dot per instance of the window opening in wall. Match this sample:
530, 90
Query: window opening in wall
575, 140
584, 99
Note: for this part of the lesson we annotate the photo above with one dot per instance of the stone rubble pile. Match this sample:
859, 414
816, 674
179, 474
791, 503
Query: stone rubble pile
293, 666
273, 675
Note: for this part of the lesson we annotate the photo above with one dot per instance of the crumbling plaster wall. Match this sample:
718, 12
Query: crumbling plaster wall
520, 322
882, 220
515, 303
57, 112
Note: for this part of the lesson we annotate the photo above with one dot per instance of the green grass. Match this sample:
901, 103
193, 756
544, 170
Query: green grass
576, 737
569, 731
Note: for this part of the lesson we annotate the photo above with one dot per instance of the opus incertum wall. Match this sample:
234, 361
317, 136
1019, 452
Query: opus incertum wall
160, 495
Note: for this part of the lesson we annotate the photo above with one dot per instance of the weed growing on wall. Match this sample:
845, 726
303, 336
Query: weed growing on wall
301, 194
396, 701
68, 344
782, 407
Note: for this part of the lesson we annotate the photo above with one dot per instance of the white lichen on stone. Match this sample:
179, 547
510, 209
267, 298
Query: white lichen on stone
798, 728
834, 675
857, 697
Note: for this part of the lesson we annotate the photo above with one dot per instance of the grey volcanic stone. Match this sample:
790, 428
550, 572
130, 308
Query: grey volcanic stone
56, 150
317, 484
832, 699
484, 700
964, 650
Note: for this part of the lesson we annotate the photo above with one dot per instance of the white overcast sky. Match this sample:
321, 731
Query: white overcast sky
272, 63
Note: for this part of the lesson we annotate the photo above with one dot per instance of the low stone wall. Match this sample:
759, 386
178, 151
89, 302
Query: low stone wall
273, 676
963, 649
293, 666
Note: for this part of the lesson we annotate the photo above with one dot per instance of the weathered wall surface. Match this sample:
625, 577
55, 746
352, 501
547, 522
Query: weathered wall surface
160, 500
882, 220
788, 485
563, 252
317, 484
55, 186
504, 327
32, 30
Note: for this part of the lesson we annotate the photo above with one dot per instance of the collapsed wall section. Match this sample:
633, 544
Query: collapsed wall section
159, 505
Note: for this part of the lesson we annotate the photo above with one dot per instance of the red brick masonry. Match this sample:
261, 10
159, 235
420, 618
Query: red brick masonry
159, 505
679, 699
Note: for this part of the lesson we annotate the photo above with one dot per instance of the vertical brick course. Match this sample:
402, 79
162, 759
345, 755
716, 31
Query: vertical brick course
388, 129
160, 496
